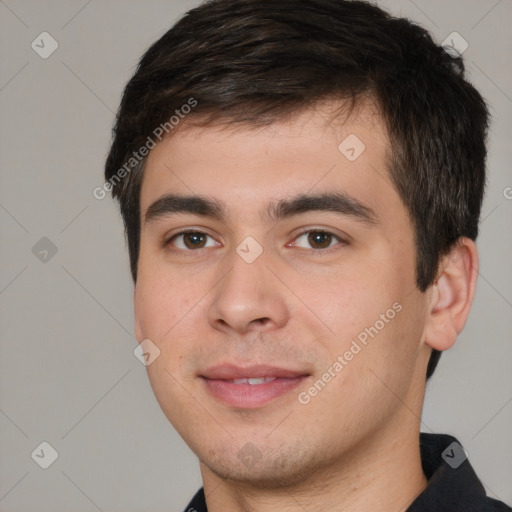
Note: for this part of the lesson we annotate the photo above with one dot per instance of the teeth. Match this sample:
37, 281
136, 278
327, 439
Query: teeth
254, 381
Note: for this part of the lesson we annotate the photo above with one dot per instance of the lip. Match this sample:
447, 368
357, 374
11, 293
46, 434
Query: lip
219, 382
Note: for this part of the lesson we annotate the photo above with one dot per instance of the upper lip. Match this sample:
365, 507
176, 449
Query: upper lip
231, 371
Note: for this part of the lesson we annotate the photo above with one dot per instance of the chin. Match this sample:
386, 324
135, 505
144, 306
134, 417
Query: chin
270, 468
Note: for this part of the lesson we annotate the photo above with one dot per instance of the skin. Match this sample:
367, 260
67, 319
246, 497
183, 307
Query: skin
353, 446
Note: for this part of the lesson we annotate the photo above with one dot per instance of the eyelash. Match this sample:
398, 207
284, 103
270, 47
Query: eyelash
326, 250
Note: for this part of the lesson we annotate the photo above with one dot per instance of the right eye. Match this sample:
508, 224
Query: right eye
190, 240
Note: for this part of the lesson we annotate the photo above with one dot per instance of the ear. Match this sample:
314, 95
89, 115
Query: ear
452, 295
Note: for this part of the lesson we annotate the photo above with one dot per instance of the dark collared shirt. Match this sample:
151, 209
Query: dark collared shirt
452, 483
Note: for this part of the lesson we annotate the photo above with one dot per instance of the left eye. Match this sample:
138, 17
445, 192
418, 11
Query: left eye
316, 240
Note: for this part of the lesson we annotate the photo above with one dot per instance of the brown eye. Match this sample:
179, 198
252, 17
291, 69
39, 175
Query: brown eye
194, 240
190, 240
319, 239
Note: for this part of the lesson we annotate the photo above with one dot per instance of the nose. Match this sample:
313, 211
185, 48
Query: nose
248, 298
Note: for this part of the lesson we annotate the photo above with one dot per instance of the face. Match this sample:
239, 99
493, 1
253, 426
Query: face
276, 277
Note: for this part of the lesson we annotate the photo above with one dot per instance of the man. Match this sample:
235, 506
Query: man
301, 183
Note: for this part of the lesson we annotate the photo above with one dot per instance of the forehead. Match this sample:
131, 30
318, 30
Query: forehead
326, 148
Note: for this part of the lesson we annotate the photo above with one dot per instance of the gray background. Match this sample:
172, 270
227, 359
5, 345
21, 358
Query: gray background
68, 375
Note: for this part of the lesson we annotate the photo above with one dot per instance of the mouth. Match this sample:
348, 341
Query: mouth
250, 387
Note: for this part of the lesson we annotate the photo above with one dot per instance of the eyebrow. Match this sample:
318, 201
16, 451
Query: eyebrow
172, 204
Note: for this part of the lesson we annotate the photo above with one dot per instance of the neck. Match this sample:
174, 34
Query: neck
384, 473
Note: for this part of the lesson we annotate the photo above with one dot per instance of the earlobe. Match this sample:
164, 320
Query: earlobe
452, 295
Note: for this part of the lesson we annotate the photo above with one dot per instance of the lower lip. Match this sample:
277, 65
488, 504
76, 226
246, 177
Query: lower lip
249, 396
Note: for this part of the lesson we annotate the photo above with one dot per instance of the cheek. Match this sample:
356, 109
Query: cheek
377, 330
347, 304
374, 379
388, 359
170, 313
352, 295
163, 311
162, 303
